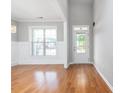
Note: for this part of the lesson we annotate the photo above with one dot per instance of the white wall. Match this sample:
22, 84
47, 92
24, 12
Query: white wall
80, 14
25, 56
103, 38
14, 53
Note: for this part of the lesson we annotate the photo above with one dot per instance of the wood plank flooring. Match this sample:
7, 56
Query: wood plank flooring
55, 79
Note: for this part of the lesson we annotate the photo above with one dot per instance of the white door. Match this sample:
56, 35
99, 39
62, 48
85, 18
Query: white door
81, 44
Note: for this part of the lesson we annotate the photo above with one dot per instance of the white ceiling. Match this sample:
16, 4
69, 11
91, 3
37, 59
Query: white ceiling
27, 10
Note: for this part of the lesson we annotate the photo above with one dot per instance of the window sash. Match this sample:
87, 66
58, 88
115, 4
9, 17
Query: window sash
36, 48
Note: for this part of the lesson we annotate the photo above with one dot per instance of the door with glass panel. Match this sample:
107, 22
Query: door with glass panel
80, 44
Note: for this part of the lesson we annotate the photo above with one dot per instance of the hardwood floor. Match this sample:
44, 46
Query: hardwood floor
55, 79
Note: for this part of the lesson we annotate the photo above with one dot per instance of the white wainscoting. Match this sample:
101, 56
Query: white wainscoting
14, 53
25, 57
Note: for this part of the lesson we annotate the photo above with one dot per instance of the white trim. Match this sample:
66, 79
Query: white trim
74, 54
36, 63
77, 63
14, 53
30, 28
39, 27
14, 64
80, 26
36, 20
43, 60
66, 66
80, 62
106, 81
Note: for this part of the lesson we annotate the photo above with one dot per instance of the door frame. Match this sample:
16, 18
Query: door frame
73, 43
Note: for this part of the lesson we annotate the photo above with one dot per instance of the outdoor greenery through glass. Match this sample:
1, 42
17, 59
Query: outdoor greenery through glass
81, 43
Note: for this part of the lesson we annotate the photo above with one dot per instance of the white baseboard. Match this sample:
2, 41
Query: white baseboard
80, 63
41, 61
14, 64
65, 66
106, 81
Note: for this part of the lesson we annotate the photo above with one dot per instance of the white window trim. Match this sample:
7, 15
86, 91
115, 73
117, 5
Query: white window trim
30, 40
81, 32
80, 26
31, 27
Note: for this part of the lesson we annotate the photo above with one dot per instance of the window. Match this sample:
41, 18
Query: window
13, 28
44, 41
81, 28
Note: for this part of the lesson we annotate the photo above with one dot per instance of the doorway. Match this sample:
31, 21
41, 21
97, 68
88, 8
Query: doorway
80, 43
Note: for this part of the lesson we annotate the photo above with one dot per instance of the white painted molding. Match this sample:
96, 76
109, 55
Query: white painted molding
14, 53
14, 64
66, 66
106, 81
80, 63
39, 61
36, 20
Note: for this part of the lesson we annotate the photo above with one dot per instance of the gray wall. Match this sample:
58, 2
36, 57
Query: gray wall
14, 47
80, 14
14, 36
103, 38
23, 29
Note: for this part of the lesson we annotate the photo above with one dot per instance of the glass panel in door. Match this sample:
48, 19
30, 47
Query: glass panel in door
80, 43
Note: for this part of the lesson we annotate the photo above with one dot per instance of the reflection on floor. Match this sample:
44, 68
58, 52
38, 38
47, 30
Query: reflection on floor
55, 79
